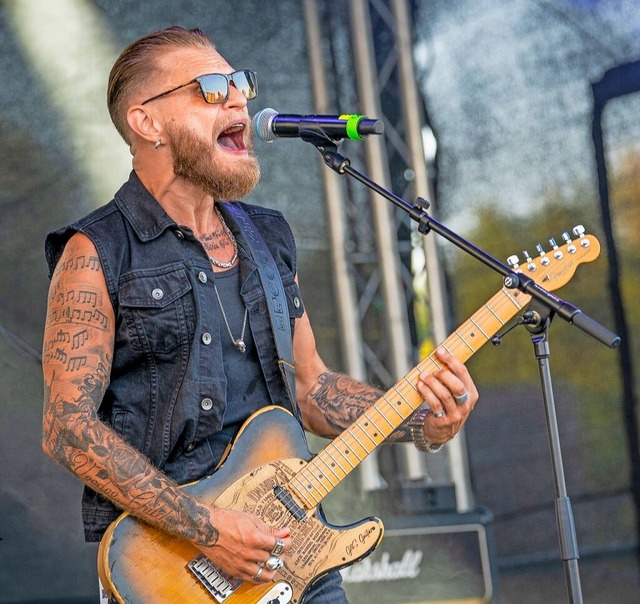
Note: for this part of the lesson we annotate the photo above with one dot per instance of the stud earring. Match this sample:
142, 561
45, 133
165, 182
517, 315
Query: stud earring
158, 143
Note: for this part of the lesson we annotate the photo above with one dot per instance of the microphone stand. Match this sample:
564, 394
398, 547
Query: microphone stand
542, 308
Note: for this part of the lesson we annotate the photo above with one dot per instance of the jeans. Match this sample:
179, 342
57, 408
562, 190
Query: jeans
327, 590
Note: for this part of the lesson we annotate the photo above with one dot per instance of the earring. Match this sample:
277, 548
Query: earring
158, 143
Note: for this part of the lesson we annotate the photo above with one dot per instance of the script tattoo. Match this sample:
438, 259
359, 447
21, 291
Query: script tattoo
343, 399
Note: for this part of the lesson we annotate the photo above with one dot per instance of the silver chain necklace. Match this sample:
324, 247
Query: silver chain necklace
238, 343
227, 230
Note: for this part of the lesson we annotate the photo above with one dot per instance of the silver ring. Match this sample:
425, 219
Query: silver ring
273, 563
439, 414
278, 547
463, 398
259, 573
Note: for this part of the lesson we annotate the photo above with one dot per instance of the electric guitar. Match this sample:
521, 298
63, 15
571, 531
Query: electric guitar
270, 472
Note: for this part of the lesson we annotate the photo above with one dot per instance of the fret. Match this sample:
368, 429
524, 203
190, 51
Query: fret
508, 294
351, 449
479, 328
406, 379
471, 348
366, 433
312, 480
434, 361
377, 428
301, 493
393, 408
384, 417
443, 345
361, 445
334, 460
404, 397
494, 314
328, 466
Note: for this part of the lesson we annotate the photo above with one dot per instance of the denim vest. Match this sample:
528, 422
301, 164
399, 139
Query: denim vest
167, 392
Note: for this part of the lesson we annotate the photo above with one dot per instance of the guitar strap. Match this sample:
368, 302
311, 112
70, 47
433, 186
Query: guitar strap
275, 296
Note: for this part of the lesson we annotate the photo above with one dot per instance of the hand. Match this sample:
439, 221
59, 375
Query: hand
244, 545
439, 390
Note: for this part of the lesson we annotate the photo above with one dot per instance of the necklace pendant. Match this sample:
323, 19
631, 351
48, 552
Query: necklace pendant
240, 345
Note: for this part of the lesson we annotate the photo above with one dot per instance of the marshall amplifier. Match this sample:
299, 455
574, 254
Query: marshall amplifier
436, 558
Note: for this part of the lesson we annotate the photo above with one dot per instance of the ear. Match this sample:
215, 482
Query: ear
143, 123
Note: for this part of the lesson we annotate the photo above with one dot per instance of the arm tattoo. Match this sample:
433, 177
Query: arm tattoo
343, 399
77, 360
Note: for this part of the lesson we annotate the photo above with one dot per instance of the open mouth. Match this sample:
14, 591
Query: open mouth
233, 138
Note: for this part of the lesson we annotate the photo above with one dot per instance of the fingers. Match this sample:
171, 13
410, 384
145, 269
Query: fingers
450, 394
247, 547
450, 387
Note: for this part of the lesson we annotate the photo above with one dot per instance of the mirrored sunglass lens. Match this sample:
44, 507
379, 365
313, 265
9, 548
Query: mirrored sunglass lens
245, 82
214, 88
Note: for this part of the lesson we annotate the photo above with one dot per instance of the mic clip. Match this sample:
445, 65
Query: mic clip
529, 318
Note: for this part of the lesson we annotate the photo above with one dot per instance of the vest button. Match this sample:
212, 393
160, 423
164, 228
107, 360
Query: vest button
206, 338
296, 301
179, 234
202, 277
190, 447
157, 294
206, 404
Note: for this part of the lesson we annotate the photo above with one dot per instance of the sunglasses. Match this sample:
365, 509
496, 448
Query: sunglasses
215, 86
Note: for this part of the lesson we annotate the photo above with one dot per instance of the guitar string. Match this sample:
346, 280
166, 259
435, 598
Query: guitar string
500, 307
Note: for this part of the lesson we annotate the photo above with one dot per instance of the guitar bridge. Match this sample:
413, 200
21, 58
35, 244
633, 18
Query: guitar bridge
217, 583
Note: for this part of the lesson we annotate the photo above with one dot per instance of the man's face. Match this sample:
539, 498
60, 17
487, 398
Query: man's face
210, 143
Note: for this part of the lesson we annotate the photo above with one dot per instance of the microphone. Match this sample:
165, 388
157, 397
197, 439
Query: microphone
269, 125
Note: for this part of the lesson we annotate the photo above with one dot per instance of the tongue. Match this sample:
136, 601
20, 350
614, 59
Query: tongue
228, 141
231, 139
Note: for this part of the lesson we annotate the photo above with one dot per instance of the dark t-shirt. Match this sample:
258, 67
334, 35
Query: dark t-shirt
246, 386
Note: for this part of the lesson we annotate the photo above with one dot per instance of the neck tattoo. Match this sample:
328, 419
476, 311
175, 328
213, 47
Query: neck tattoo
227, 230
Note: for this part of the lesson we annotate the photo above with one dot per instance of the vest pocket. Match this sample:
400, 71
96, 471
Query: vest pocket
157, 311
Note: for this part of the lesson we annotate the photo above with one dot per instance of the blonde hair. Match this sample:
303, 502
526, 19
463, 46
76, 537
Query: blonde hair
134, 67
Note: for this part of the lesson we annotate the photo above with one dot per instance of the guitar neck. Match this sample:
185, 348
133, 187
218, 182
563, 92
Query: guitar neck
343, 455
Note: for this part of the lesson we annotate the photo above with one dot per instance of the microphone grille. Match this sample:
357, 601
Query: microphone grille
261, 123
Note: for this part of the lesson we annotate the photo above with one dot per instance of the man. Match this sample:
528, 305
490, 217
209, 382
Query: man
157, 344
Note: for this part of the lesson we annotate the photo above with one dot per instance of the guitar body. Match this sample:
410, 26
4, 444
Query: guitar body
139, 564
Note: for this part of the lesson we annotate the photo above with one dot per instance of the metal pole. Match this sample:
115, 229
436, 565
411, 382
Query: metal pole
459, 466
386, 238
348, 317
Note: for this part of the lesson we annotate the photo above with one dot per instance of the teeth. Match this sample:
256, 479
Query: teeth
234, 128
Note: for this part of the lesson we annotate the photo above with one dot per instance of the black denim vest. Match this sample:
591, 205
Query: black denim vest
168, 391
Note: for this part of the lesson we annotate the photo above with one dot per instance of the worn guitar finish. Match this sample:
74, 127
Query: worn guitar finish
270, 472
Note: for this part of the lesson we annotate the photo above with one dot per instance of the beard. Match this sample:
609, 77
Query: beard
194, 159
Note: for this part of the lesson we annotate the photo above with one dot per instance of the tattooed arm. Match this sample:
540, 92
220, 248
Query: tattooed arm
330, 401
77, 354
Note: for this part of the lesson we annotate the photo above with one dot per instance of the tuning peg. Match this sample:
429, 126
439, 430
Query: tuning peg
531, 265
557, 252
571, 248
544, 259
579, 232
513, 262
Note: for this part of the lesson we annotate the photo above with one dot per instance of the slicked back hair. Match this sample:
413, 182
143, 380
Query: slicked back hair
135, 66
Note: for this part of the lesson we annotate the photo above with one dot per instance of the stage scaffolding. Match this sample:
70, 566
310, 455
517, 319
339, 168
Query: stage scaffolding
360, 55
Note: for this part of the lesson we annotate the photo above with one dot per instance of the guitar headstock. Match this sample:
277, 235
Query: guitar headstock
555, 268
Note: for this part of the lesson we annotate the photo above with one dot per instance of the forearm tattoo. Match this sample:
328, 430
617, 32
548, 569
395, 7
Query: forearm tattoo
342, 399
76, 362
